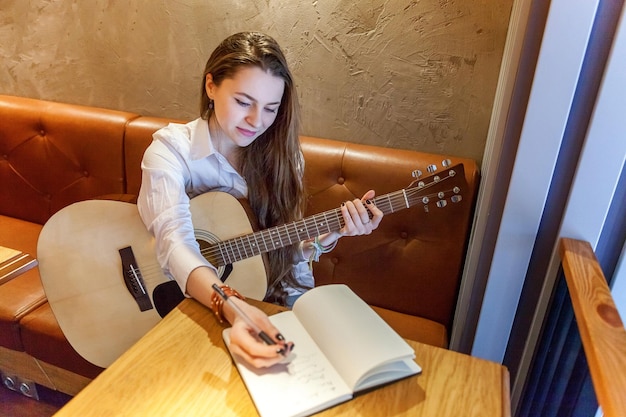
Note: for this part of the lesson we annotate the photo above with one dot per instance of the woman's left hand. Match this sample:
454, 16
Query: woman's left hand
360, 216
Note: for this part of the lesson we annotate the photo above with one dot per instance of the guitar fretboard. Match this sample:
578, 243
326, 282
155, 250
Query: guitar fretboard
243, 247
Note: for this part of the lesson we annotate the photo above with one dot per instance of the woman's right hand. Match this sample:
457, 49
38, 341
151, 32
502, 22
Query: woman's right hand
247, 345
243, 340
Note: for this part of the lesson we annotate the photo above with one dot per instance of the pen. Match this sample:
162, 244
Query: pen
239, 312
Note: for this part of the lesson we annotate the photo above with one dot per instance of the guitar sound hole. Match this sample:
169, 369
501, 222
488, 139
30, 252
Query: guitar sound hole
205, 249
223, 271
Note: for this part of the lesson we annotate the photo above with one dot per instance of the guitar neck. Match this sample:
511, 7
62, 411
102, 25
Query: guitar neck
243, 247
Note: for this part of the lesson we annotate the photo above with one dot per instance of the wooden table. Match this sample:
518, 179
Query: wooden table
182, 368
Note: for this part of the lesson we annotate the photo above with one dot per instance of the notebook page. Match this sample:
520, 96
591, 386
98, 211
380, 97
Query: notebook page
305, 385
336, 317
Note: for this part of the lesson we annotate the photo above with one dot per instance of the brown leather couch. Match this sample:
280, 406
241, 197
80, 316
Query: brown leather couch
54, 154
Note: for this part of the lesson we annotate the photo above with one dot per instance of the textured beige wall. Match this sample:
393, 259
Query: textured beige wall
413, 74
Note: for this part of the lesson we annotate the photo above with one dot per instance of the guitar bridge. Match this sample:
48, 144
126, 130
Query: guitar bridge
134, 280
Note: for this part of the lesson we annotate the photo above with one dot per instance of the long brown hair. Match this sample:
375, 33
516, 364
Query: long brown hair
272, 165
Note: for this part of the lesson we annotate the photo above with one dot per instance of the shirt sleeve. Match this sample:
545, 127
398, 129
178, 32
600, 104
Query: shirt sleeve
164, 208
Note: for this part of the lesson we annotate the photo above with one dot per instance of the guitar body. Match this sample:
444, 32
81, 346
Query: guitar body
100, 273
83, 277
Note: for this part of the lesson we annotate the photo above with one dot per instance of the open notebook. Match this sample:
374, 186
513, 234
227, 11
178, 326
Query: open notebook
341, 347
14, 262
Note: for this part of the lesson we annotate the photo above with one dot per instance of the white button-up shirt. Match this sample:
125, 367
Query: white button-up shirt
180, 164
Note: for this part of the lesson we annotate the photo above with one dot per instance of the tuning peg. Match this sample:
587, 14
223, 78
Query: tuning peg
431, 168
456, 198
442, 203
446, 163
417, 173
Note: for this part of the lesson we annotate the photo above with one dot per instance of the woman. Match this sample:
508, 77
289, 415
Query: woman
245, 143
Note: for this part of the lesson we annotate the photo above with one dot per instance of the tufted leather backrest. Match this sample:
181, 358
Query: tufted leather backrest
411, 264
54, 154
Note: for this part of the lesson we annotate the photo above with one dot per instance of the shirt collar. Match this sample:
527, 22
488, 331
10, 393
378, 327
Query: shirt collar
201, 143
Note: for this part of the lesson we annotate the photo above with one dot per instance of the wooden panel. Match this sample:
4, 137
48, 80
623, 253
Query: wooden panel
28, 368
601, 328
23, 365
63, 380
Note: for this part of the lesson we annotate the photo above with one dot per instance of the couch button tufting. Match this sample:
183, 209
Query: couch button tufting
42, 132
404, 235
335, 260
85, 173
341, 180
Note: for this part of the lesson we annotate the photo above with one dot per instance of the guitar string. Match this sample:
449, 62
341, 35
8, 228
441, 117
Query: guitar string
237, 244
236, 249
153, 273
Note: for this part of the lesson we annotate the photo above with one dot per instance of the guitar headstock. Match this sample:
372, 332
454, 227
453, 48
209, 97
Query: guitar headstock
444, 185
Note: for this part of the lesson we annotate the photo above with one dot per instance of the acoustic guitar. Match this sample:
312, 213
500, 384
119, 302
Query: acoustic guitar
101, 276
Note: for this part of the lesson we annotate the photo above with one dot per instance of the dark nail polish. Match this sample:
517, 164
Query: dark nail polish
368, 201
280, 337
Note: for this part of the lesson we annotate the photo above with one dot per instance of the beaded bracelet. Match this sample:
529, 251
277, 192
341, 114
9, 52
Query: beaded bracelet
217, 302
318, 250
